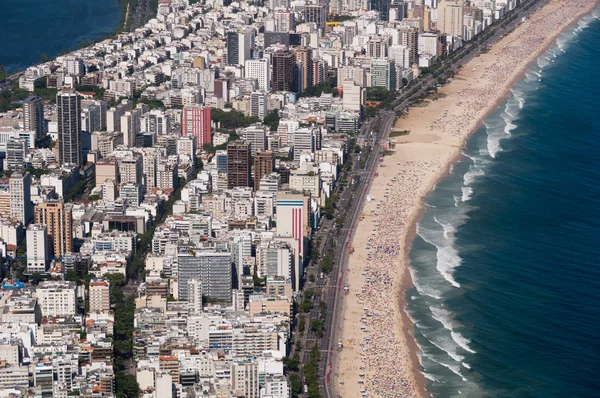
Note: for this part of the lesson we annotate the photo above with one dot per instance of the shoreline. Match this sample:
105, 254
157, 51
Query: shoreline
444, 148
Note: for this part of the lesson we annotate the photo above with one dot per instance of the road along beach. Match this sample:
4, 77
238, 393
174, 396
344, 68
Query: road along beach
379, 356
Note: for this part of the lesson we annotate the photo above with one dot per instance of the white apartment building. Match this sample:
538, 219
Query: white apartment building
57, 298
37, 248
258, 69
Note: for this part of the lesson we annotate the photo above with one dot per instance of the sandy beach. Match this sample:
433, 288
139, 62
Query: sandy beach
379, 356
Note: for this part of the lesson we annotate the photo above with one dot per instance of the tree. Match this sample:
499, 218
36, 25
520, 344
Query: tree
272, 120
126, 385
3, 74
326, 264
291, 364
295, 384
94, 198
316, 325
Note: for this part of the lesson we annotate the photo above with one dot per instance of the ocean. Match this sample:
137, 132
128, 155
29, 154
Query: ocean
29, 28
506, 260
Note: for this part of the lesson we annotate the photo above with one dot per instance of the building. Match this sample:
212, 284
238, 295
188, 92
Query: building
429, 44
451, 17
293, 220
383, 73
106, 170
99, 296
239, 46
354, 97
305, 68
196, 122
58, 218
316, 13
256, 135
21, 207
130, 127
264, 163
259, 104
57, 298
382, 7
258, 69
69, 127
214, 269
238, 164
33, 115
283, 70
244, 379
409, 38
304, 142
166, 175
37, 249
15, 154
131, 169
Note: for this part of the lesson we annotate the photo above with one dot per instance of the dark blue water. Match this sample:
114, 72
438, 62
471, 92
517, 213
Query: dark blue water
29, 28
506, 262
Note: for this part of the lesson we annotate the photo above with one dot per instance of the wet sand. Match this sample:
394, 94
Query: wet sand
379, 354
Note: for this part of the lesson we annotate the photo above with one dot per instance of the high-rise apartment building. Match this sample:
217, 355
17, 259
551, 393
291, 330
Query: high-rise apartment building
130, 127
21, 207
37, 249
99, 295
58, 218
196, 122
212, 268
239, 46
33, 115
258, 69
304, 62
259, 104
264, 163
383, 73
283, 70
131, 169
382, 7
69, 127
451, 17
15, 154
238, 164
316, 13
409, 37
57, 298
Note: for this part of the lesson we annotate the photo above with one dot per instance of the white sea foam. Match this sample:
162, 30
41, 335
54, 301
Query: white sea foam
448, 349
453, 368
447, 256
430, 377
466, 365
442, 316
449, 229
422, 288
462, 341
445, 318
467, 192
472, 174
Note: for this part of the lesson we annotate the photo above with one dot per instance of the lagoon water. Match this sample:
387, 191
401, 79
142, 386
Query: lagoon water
506, 262
29, 28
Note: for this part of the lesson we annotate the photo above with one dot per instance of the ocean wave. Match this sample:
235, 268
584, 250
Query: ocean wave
422, 288
472, 174
453, 368
466, 365
462, 341
467, 192
430, 377
447, 256
448, 228
448, 348
445, 318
